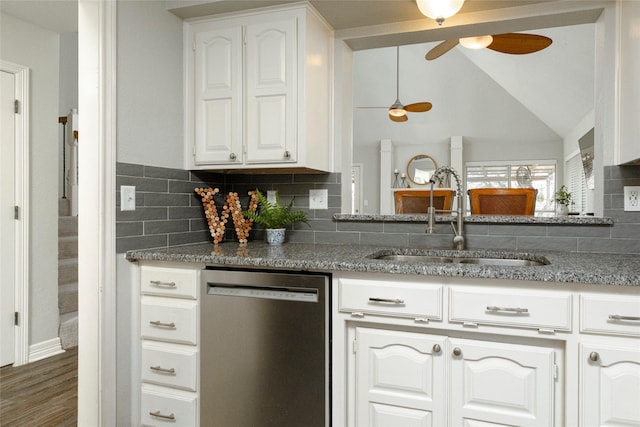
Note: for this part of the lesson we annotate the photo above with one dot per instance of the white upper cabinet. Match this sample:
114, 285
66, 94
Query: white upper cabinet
629, 83
258, 88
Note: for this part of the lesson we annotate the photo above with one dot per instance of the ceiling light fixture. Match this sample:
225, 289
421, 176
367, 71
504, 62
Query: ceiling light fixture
476, 42
439, 9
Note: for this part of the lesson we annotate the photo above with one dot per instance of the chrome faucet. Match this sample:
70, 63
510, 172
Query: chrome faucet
458, 229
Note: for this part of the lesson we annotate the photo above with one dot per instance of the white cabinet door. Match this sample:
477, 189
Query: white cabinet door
400, 379
271, 78
501, 384
218, 96
610, 386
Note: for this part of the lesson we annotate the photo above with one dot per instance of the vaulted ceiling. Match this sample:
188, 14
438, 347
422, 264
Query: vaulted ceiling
556, 84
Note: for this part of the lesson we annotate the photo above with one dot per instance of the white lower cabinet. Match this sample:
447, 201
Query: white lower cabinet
610, 385
501, 384
400, 379
168, 352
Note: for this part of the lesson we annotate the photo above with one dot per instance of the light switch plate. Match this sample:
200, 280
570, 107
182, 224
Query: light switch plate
127, 198
631, 198
319, 199
271, 196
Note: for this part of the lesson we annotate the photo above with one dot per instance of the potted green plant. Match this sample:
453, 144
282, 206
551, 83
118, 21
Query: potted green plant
563, 199
274, 217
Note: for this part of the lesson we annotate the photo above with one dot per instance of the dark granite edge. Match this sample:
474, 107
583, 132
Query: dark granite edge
485, 219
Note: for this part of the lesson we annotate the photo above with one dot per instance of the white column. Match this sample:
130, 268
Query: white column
386, 160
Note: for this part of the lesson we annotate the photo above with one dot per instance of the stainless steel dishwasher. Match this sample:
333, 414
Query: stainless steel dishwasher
265, 349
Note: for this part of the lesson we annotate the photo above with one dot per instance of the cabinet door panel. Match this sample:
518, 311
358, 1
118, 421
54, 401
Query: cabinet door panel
501, 384
610, 389
218, 91
271, 110
400, 378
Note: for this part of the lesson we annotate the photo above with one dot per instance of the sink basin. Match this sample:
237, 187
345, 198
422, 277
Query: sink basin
416, 258
513, 260
502, 261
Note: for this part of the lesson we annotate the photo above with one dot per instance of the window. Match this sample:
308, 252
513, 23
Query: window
576, 183
540, 175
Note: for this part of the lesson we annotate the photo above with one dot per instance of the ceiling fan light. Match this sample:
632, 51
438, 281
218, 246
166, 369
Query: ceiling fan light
397, 111
439, 9
477, 42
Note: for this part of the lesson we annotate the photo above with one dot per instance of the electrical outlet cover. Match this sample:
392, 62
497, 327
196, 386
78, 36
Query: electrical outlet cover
319, 199
631, 198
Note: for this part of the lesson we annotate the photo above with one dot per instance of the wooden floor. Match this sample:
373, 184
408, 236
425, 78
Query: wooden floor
42, 393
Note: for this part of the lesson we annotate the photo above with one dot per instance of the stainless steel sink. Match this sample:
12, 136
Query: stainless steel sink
416, 258
513, 260
503, 261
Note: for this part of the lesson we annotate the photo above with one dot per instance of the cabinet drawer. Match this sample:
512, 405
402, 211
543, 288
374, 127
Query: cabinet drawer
619, 315
520, 308
391, 298
169, 364
169, 319
175, 282
159, 408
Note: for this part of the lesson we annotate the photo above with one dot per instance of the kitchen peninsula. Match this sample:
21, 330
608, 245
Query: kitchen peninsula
557, 339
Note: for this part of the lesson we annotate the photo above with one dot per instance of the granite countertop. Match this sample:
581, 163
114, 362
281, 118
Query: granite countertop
563, 267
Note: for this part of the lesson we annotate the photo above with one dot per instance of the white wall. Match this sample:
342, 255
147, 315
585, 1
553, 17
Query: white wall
150, 87
68, 94
466, 101
38, 49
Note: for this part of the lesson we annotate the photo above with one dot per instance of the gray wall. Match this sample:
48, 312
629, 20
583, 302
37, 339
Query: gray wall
25, 44
150, 87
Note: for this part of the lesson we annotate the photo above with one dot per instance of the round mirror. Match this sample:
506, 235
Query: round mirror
420, 168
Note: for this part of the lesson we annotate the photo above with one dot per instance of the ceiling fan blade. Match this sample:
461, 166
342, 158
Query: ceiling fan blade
441, 49
399, 118
418, 107
519, 44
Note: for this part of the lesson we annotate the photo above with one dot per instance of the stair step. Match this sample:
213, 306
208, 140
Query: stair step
67, 247
67, 271
68, 298
68, 331
67, 226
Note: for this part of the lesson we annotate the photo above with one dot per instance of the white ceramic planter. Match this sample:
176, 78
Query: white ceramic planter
275, 236
562, 210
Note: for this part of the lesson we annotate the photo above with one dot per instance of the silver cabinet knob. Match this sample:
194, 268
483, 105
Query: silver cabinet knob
232, 156
457, 351
437, 348
287, 154
594, 356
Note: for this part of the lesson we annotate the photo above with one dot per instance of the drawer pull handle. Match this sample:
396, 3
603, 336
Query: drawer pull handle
287, 154
620, 317
163, 370
162, 324
232, 156
158, 414
509, 309
163, 284
387, 300
594, 356
457, 351
437, 348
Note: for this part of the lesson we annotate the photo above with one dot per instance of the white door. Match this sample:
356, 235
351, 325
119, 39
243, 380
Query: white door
501, 384
271, 110
610, 388
218, 96
400, 379
7, 221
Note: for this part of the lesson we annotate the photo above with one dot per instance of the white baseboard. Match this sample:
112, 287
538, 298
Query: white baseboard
45, 349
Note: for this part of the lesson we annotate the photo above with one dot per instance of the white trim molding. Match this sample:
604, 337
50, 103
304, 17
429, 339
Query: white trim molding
45, 349
96, 218
21, 238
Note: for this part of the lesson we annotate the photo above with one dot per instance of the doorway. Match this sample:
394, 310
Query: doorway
14, 214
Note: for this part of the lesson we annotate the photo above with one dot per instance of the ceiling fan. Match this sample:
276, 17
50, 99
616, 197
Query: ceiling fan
511, 43
398, 111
